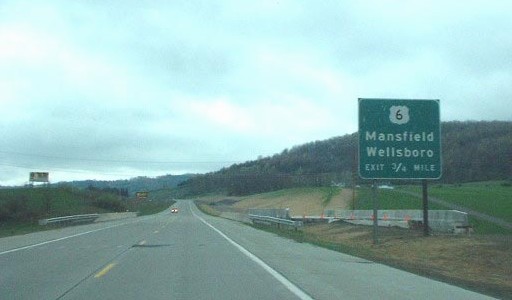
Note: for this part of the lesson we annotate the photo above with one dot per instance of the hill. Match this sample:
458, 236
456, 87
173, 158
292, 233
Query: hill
472, 151
133, 185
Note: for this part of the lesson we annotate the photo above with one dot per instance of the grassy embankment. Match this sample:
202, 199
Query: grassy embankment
481, 262
207, 209
21, 208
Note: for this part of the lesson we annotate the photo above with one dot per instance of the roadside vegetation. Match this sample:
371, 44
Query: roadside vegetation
144, 208
207, 209
28, 204
22, 208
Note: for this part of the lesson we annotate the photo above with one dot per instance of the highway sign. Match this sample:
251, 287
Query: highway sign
39, 177
141, 195
399, 139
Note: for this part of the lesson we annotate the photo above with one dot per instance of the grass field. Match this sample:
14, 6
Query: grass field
389, 199
492, 198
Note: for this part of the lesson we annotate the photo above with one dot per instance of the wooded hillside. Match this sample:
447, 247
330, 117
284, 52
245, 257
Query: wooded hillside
132, 185
472, 151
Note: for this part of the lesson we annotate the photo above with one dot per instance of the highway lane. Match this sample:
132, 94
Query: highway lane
193, 256
167, 256
183, 259
49, 268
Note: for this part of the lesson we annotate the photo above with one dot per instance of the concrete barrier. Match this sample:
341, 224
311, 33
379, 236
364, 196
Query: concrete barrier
281, 213
439, 220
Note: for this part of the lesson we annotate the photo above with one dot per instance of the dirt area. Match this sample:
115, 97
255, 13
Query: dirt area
480, 263
310, 202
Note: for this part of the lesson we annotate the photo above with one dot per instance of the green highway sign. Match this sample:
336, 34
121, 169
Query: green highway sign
399, 139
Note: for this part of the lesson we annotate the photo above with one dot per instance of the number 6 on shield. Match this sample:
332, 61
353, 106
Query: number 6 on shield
399, 115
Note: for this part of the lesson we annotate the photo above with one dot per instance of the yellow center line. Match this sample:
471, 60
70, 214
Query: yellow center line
104, 270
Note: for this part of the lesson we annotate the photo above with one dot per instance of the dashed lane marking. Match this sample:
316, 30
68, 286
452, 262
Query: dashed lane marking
288, 284
104, 270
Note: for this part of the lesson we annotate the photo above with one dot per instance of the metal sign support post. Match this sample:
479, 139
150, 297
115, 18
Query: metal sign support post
354, 175
425, 207
375, 213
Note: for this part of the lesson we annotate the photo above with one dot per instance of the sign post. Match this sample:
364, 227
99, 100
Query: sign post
424, 187
400, 139
375, 213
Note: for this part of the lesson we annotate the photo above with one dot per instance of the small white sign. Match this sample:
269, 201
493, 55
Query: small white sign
399, 115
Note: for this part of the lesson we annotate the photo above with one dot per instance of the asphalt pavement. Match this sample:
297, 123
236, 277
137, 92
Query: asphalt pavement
189, 255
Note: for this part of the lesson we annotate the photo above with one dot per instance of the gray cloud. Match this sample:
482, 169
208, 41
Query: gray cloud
91, 89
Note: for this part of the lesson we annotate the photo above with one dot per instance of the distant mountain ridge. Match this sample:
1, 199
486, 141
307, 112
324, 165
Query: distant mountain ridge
133, 185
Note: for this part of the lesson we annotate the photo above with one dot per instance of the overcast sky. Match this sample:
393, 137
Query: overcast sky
118, 89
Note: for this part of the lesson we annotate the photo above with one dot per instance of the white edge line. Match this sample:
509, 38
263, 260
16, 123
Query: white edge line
289, 285
60, 239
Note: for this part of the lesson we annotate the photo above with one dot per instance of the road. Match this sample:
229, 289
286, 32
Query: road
190, 255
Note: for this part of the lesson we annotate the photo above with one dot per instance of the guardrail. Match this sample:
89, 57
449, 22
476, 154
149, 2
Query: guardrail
70, 219
273, 220
281, 213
